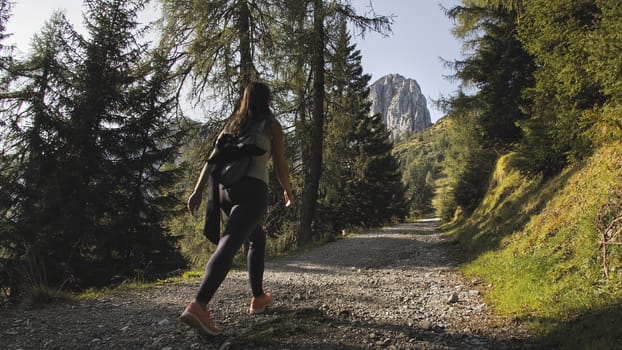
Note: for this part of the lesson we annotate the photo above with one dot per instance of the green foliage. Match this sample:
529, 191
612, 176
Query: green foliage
32, 205
5, 51
575, 99
468, 164
347, 103
547, 74
221, 41
357, 151
485, 113
496, 66
194, 151
422, 187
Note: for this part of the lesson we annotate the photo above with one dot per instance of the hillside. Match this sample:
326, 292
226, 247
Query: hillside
421, 158
537, 243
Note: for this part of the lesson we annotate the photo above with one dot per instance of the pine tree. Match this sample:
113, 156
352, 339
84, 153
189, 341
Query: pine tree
94, 118
374, 193
604, 65
497, 69
123, 137
571, 43
419, 181
217, 45
497, 66
347, 102
289, 58
316, 137
33, 149
5, 51
10, 159
422, 160
321, 12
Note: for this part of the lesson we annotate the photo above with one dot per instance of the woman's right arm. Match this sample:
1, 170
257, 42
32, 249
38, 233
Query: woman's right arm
280, 165
195, 198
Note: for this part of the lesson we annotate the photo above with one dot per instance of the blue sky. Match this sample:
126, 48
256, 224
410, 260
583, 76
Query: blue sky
421, 37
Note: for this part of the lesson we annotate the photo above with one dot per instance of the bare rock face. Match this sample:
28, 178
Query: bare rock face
401, 103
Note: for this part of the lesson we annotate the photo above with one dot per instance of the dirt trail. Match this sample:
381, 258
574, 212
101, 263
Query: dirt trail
392, 288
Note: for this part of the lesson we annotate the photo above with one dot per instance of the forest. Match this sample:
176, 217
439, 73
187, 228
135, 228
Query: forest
97, 157
98, 160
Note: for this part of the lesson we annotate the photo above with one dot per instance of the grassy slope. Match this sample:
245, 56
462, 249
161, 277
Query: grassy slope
536, 244
427, 143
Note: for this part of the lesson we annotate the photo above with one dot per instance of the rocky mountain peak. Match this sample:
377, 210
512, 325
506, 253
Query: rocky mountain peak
401, 103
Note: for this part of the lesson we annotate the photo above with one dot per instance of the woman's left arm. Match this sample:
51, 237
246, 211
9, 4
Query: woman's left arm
280, 165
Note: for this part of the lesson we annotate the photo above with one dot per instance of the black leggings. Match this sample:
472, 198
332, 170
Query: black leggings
244, 204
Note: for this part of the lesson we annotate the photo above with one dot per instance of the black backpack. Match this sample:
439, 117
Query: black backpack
233, 154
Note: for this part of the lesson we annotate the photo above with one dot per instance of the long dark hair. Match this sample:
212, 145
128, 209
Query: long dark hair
254, 108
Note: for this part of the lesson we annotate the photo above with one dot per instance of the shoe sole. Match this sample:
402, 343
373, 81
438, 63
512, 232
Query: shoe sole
194, 322
261, 310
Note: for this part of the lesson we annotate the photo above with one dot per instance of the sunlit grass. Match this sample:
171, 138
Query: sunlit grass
191, 275
536, 243
137, 284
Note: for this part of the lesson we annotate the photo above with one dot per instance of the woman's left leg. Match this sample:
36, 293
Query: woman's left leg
219, 264
255, 260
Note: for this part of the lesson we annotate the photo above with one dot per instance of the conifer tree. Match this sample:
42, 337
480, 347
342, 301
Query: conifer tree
497, 69
497, 66
33, 149
419, 183
5, 51
97, 133
374, 193
571, 43
321, 12
217, 45
604, 65
316, 137
347, 103
289, 59
134, 139
10, 158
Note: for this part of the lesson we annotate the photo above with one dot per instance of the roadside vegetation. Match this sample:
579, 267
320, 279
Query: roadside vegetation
532, 164
538, 246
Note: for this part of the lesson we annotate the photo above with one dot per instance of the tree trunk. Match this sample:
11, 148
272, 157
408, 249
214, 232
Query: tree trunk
312, 177
246, 58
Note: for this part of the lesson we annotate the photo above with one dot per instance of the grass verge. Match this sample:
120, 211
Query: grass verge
538, 243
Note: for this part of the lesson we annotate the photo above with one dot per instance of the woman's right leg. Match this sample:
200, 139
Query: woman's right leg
218, 266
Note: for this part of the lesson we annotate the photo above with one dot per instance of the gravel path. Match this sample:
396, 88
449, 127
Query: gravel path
393, 288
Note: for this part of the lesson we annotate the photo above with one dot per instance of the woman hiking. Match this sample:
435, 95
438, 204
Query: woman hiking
244, 203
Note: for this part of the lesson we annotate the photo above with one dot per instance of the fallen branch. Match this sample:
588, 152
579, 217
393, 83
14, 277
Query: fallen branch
609, 229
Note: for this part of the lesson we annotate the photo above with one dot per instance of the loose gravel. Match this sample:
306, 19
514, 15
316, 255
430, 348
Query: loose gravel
392, 288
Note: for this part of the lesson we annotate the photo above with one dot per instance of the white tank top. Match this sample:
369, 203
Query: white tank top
259, 164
